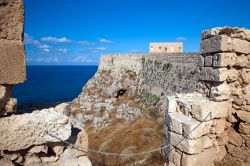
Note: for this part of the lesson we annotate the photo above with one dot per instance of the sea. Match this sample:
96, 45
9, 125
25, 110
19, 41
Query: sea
47, 86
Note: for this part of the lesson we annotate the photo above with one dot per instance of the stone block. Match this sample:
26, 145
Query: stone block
233, 75
12, 63
241, 61
219, 126
209, 33
216, 109
214, 74
234, 137
224, 59
216, 44
187, 126
174, 157
220, 153
244, 116
205, 158
244, 128
241, 46
171, 104
245, 75
220, 92
190, 146
208, 61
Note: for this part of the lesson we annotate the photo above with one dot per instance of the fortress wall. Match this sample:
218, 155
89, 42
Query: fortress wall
170, 73
117, 62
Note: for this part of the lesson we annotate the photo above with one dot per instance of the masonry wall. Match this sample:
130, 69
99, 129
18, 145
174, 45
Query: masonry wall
167, 74
118, 62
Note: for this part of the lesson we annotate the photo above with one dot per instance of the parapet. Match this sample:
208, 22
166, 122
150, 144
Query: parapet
12, 53
173, 47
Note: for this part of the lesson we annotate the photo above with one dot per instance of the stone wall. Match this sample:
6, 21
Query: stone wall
12, 54
167, 74
212, 127
118, 62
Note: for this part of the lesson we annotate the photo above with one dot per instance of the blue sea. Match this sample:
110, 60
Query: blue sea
47, 86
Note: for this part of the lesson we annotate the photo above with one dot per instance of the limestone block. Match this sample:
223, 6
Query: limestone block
246, 91
182, 124
12, 63
12, 19
245, 75
174, 157
244, 116
224, 59
219, 126
217, 109
208, 61
221, 43
36, 128
220, 153
234, 137
233, 75
190, 146
205, 158
32, 160
241, 46
63, 108
241, 61
210, 33
244, 128
221, 92
222, 139
214, 74
171, 104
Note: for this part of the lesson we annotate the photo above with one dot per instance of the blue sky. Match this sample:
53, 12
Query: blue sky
77, 32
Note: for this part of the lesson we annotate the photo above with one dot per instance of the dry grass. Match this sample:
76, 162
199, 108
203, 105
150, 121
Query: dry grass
141, 135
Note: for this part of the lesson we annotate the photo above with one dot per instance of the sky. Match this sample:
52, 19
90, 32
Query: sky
77, 32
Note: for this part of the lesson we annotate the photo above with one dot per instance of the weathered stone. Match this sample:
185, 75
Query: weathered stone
36, 128
67, 158
241, 46
241, 61
244, 116
4, 162
63, 108
224, 59
245, 75
11, 105
222, 139
171, 104
205, 158
190, 146
219, 126
234, 137
221, 92
49, 159
208, 60
182, 124
212, 74
13, 62
209, 33
221, 43
174, 157
38, 149
220, 153
32, 159
244, 128
58, 149
216, 109
233, 75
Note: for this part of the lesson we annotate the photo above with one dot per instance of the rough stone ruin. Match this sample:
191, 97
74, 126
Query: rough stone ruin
36, 138
173, 47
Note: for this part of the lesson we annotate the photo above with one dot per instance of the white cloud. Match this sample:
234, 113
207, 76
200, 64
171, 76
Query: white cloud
102, 40
181, 38
56, 40
81, 59
28, 40
62, 50
94, 50
43, 46
46, 50
50, 59
84, 43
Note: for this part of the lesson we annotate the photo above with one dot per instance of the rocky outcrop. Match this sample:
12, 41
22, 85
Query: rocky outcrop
42, 137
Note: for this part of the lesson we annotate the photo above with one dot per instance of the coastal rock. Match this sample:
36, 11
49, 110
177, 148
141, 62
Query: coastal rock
63, 108
36, 128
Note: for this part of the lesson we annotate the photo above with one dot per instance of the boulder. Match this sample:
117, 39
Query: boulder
37, 128
220, 92
244, 128
244, 116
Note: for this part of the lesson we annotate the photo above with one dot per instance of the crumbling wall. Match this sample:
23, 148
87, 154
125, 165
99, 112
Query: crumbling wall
203, 128
228, 78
